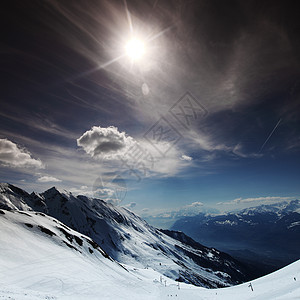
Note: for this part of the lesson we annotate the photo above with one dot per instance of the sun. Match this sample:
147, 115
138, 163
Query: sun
135, 49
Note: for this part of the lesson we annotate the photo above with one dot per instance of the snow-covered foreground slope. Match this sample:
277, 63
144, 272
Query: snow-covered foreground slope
40, 258
43, 259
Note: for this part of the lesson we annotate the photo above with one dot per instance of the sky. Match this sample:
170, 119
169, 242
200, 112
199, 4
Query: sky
206, 119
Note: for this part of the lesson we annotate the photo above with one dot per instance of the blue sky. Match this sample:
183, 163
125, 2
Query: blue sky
207, 119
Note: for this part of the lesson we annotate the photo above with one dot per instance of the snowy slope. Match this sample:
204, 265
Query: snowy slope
41, 254
37, 263
129, 239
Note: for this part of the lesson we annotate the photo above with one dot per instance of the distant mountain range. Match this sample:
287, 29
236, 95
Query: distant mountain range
126, 238
269, 234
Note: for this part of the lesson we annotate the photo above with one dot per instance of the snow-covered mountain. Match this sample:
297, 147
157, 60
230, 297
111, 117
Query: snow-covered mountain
280, 208
268, 233
41, 258
128, 239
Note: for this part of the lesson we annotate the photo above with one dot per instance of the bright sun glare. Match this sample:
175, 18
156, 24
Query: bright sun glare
135, 49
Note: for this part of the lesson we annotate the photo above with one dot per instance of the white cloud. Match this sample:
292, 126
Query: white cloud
256, 200
195, 204
130, 205
82, 190
107, 143
186, 157
14, 156
48, 179
103, 193
113, 201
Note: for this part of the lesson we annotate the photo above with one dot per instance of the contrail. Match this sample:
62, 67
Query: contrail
269, 135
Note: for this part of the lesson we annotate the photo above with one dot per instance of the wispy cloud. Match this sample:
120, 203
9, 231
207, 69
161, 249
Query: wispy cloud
239, 151
39, 122
47, 178
267, 199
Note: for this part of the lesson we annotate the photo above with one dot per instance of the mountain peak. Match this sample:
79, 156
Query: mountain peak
53, 191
